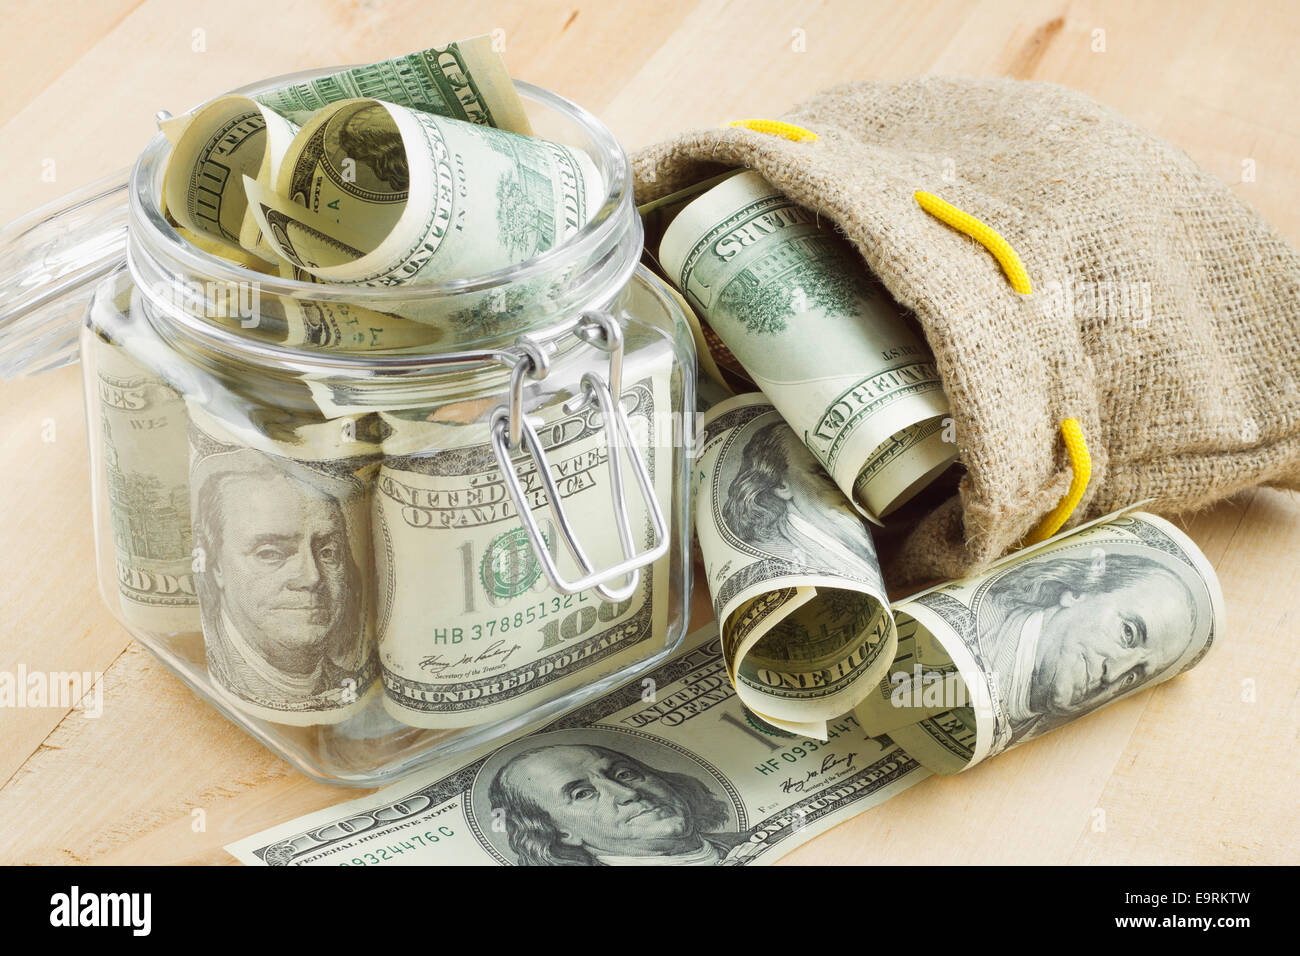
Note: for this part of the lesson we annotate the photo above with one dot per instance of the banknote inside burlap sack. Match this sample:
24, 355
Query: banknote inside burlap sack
1164, 312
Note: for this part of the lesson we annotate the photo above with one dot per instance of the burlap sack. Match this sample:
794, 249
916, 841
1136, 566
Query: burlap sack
1165, 314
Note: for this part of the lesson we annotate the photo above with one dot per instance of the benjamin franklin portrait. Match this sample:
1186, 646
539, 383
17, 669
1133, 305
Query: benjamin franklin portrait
1066, 634
780, 500
370, 137
280, 591
570, 802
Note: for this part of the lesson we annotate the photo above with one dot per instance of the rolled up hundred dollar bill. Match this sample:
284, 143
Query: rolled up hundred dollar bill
319, 323
371, 193
146, 465
920, 682
819, 336
664, 770
226, 140
1046, 636
655, 218
470, 630
466, 80
284, 567
805, 622
328, 326
222, 248
215, 146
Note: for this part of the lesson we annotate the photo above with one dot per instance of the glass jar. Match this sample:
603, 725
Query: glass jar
373, 526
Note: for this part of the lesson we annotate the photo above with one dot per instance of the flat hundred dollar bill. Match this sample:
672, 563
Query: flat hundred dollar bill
146, 460
667, 769
469, 628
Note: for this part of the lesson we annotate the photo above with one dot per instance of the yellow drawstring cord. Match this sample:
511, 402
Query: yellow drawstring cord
1081, 464
984, 235
777, 128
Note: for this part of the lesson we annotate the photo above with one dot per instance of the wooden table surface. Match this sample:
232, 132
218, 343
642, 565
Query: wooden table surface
1202, 769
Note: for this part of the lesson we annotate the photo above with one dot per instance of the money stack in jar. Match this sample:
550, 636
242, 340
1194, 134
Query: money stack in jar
335, 545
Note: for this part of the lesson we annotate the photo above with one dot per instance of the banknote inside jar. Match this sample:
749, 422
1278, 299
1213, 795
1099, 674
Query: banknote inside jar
377, 532
340, 546
494, 638
412, 171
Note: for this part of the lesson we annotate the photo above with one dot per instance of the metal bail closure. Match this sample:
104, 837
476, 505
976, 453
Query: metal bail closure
604, 332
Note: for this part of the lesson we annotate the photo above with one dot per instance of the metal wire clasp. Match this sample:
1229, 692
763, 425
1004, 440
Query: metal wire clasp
510, 428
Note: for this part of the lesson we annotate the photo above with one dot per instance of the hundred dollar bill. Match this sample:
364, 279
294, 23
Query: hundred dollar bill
220, 247
658, 214
920, 682
796, 585
666, 770
1051, 634
469, 628
371, 193
466, 80
817, 334
319, 323
218, 144
718, 366
284, 567
146, 467
224, 141
329, 325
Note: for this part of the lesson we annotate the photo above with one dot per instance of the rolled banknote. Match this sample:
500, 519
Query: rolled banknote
806, 627
466, 80
1046, 636
146, 466
226, 140
470, 630
284, 566
658, 214
220, 247
920, 682
664, 770
818, 335
655, 217
218, 144
317, 323
371, 193
327, 325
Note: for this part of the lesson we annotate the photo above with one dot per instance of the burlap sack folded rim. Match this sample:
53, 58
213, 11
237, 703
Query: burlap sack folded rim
1083, 195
